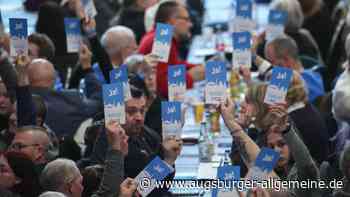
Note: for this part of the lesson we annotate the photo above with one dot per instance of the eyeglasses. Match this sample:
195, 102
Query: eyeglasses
188, 19
19, 146
133, 110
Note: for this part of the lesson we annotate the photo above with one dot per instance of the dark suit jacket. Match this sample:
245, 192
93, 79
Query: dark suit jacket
67, 109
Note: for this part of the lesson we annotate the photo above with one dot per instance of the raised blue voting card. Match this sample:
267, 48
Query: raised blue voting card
228, 174
113, 101
120, 75
243, 20
171, 119
242, 55
176, 82
156, 170
275, 27
278, 86
19, 35
264, 164
73, 34
89, 8
216, 82
162, 42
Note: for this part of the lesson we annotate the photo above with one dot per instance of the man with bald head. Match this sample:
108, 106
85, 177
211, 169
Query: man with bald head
41, 73
119, 42
66, 109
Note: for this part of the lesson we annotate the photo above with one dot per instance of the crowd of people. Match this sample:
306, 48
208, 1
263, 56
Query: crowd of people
54, 141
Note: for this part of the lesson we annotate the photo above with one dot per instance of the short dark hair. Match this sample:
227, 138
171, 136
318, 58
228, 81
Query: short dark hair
45, 44
166, 11
137, 86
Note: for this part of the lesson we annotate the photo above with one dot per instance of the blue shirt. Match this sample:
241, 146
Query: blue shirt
314, 84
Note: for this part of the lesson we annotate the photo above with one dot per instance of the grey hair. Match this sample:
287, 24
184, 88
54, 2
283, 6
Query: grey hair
283, 45
120, 34
57, 173
295, 16
52, 194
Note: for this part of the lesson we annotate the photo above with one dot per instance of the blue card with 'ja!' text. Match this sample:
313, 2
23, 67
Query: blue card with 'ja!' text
279, 84
176, 82
19, 34
162, 42
113, 101
156, 170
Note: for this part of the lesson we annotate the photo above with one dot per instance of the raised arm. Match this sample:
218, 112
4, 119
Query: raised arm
26, 114
247, 148
114, 164
99, 52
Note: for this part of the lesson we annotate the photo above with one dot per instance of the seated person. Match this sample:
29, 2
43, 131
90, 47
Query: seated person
283, 51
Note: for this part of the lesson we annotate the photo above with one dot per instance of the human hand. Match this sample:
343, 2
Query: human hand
172, 149
85, 56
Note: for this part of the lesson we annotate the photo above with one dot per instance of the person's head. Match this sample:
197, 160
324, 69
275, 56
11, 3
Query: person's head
51, 22
295, 14
40, 109
276, 141
27, 176
34, 142
138, 66
92, 176
135, 112
52, 194
6, 106
41, 73
62, 175
255, 99
141, 4
175, 14
40, 46
119, 42
150, 78
308, 5
283, 51
7, 177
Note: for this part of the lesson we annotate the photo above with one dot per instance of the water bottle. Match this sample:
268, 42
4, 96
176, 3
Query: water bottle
206, 147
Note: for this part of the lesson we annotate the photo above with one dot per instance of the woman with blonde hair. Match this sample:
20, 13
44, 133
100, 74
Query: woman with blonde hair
305, 116
281, 133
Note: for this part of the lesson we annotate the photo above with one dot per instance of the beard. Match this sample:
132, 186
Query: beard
133, 129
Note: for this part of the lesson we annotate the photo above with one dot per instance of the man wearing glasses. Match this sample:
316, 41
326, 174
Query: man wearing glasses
34, 142
174, 14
